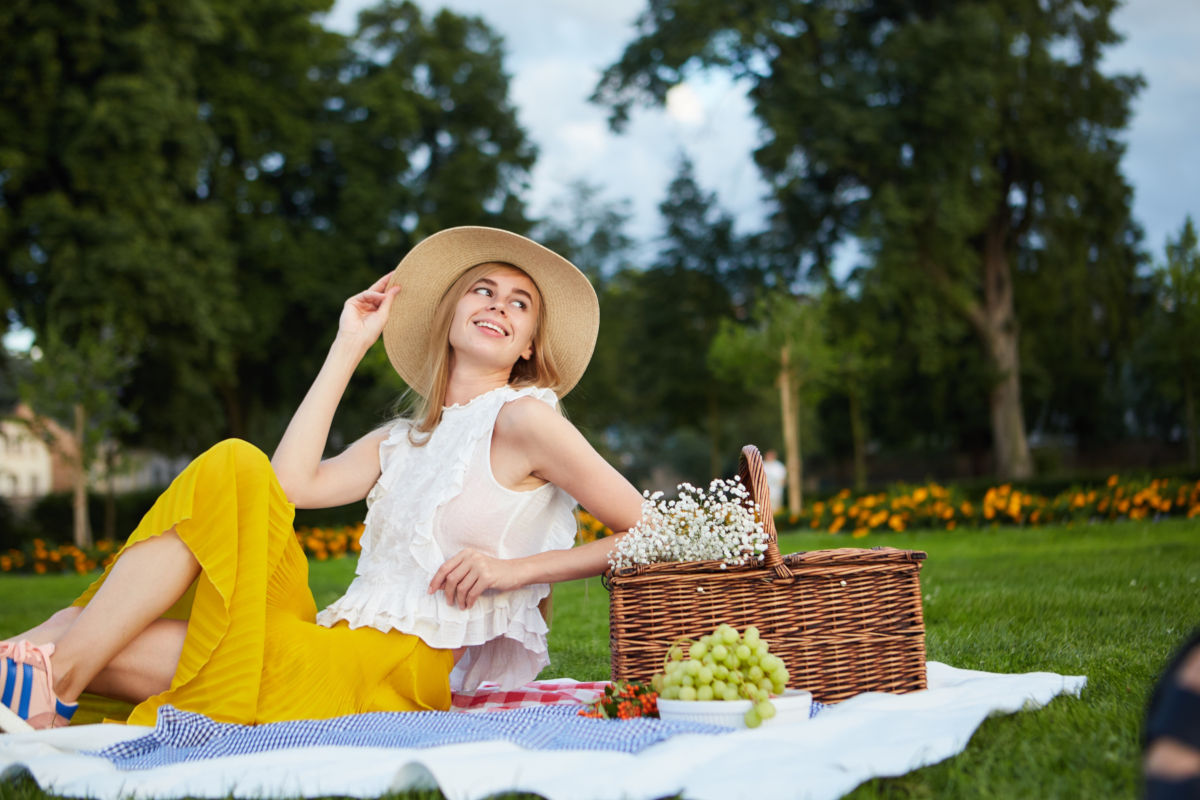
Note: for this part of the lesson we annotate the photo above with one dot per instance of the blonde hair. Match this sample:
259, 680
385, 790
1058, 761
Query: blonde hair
537, 370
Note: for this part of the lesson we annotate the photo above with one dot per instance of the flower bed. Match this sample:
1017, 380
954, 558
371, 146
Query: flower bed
900, 508
40, 558
935, 506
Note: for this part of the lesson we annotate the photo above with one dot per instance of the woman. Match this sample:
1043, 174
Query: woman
207, 606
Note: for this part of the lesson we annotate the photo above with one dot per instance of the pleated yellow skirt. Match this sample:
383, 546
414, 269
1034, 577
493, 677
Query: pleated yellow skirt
253, 652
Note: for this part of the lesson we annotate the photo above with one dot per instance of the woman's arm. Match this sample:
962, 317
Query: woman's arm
308, 481
556, 451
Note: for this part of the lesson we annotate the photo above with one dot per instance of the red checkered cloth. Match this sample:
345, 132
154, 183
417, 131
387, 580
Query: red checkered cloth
561, 691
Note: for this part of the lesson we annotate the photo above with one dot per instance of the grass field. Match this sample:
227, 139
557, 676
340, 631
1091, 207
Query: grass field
1109, 601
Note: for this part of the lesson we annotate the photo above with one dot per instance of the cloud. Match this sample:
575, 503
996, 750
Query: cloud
684, 105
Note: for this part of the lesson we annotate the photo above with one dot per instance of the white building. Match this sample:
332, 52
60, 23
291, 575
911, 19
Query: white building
38, 456
30, 467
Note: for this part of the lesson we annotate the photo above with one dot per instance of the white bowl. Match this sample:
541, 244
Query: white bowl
794, 705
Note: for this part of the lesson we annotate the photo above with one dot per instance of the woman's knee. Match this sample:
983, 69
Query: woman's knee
246, 459
240, 451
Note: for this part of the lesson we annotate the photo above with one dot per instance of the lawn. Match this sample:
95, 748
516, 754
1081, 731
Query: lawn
1108, 601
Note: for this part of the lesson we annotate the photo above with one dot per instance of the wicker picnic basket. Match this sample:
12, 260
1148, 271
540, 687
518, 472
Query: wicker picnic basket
844, 621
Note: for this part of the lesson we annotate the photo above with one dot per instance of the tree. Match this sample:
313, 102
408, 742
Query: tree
785, 345
853, 362
222, 175
1174, 330
962, 141
81, 381
591, 232
101, 236
333, 156
675, 310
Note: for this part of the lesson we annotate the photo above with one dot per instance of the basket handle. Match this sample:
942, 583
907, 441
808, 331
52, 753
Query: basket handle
754, 477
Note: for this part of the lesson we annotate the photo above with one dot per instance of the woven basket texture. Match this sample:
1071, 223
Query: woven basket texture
845, 621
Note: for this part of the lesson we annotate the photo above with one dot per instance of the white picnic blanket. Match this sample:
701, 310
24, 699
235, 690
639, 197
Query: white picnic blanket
867, 736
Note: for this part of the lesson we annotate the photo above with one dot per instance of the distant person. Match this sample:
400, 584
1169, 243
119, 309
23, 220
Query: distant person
776, 477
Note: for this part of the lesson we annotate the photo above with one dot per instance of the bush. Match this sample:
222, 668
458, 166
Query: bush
9, 534
337, 517
52, 517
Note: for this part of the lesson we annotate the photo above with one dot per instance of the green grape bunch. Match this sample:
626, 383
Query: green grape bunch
725, 665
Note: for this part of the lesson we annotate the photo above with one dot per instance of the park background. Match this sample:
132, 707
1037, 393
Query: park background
894, 244
967, 224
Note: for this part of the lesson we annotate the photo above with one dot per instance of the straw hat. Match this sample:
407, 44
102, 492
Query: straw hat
570, 311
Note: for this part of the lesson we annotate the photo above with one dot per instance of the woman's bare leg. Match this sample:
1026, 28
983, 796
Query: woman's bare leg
144, 668
120, 627
48, 631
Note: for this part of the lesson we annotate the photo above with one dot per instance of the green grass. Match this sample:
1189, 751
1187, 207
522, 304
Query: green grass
1110, 602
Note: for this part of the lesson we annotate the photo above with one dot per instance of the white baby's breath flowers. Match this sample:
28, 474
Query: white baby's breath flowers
714, 525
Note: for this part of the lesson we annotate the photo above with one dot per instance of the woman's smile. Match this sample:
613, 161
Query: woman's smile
501, 308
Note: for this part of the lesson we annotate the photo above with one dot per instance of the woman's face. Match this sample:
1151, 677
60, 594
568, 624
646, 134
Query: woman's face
495, 320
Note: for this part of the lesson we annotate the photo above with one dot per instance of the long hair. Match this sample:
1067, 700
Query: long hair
538, 370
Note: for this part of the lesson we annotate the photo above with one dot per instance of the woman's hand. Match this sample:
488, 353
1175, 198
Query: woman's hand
364, 314
470, 573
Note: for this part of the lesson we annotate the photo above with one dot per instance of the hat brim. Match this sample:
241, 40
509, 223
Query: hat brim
570, 310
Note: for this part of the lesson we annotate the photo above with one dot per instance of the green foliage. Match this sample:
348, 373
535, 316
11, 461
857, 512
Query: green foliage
90, 373
50, 517
8, 526
99, 152
1167, 355
674, 311
212, 180
752, 352
591, 232
971, 146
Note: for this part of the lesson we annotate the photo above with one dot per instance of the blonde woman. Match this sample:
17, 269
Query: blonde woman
207, 606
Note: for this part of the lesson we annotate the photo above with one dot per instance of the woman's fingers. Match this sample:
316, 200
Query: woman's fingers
463, 578
381, 284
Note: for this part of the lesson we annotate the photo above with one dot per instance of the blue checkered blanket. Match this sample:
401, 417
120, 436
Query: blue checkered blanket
181, 736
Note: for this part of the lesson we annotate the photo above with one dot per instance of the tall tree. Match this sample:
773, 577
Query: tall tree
81, 380
1174, 329
334, 156
100, 232
785, 344
590, 230
224, 174
677, 307
960, 140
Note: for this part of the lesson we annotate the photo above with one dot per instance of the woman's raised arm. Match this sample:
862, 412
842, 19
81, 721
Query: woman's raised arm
308, 481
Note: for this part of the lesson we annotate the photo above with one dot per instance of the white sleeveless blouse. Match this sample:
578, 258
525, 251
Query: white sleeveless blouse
429, 503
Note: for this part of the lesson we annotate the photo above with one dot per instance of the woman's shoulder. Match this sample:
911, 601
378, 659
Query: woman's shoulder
529, 414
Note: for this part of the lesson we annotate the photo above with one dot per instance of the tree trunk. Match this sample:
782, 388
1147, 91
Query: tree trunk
790, 408
1189, 410
859, 438
715, 450
235, 414
83, 530
110, 495
996, 324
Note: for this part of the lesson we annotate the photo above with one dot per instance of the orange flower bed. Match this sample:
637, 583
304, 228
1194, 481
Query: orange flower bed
901, 508
936, 506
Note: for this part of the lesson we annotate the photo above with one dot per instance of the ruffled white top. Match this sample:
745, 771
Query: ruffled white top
429, 503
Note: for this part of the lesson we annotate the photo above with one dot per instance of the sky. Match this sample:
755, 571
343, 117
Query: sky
556, 50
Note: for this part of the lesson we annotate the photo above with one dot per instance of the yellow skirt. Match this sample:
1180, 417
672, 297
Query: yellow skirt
253, 652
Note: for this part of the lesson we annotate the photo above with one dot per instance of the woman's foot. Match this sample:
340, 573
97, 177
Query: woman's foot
27, 699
